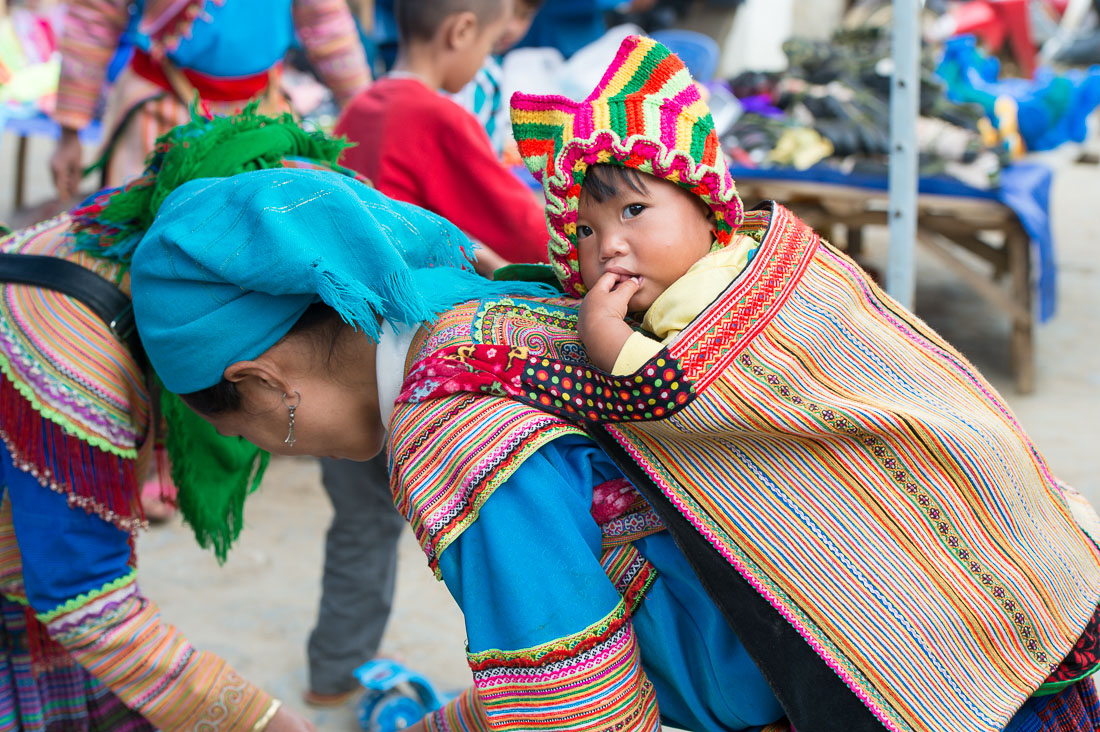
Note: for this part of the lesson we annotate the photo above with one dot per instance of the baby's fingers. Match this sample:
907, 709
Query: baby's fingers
620, 295
606, 283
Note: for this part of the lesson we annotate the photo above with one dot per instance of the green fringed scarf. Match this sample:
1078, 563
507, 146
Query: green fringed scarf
110, 223
213, 474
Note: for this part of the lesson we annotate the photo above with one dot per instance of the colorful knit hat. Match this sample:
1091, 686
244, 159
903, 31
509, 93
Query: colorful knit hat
646, 113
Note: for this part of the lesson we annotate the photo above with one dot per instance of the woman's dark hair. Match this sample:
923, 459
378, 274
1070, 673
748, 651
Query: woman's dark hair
320, 323
603, 180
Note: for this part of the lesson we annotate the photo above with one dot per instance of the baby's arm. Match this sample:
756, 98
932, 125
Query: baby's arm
601, 321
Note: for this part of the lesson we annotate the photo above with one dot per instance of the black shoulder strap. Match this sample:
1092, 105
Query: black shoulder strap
105, 299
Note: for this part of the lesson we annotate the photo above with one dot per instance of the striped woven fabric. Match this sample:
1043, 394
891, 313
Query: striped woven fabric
869, 483
464, 714
856, 470
62, 696
92, 419
645, 113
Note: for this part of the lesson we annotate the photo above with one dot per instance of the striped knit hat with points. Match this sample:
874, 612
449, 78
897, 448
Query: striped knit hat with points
646, 113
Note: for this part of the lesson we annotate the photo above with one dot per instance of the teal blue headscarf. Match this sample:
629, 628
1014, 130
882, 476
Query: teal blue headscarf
230, 264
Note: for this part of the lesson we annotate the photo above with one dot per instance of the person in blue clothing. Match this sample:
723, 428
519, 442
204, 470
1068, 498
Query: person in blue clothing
609, 578
219, 54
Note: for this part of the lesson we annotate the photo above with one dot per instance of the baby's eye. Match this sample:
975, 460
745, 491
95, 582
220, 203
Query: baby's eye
583, 231
633, 210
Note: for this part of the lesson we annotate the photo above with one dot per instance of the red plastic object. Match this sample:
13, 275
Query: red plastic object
995, 20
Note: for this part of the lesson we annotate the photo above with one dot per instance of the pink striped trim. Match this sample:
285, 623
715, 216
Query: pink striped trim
710, 318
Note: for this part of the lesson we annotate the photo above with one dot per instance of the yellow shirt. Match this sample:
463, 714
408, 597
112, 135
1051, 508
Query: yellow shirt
684, 299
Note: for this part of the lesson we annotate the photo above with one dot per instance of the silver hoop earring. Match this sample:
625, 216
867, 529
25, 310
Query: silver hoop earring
290, 440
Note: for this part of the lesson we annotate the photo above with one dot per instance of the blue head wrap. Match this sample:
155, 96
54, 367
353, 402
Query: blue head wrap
230, 264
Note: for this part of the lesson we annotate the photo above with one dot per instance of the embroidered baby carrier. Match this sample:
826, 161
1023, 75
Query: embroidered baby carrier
842, 457
846, 462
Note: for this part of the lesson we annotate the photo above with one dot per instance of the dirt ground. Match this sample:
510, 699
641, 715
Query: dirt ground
257, 610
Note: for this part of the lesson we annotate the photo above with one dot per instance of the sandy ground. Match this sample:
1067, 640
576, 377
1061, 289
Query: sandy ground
257, 610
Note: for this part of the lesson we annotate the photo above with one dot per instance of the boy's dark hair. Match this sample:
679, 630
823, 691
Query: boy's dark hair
418, 20
320, 322
603, 180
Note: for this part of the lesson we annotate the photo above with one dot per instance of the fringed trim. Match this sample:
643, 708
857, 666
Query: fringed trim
27, 392
412, 296
357, 304
46, 653
101, 483
167, 32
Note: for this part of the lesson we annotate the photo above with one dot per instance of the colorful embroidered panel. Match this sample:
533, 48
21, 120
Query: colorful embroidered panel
630, 572
597, 672
441, 471
73, 403
622, 514
463, 714
843, 422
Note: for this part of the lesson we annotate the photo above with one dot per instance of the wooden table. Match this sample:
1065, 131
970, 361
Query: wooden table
946, 227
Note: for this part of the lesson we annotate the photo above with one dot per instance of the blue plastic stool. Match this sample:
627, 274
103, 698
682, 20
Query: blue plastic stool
396, 697
698, 51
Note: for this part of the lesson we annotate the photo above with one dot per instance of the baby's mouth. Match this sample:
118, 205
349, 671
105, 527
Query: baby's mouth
621, 275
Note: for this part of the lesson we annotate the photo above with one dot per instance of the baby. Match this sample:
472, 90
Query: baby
646, 246
641, 207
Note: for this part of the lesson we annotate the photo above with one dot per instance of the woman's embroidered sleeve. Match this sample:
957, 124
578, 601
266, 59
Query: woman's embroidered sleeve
119, 636
550, 641
91, 35
331, 41
592, 681
78, 576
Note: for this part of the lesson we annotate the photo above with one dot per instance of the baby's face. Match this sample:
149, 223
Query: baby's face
656, 236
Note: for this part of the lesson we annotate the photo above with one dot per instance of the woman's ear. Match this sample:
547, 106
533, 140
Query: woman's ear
259, 374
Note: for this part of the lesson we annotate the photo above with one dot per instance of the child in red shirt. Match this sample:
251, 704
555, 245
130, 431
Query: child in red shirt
418, 146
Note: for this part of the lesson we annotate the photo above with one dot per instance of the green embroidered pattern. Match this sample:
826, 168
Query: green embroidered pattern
84, 598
